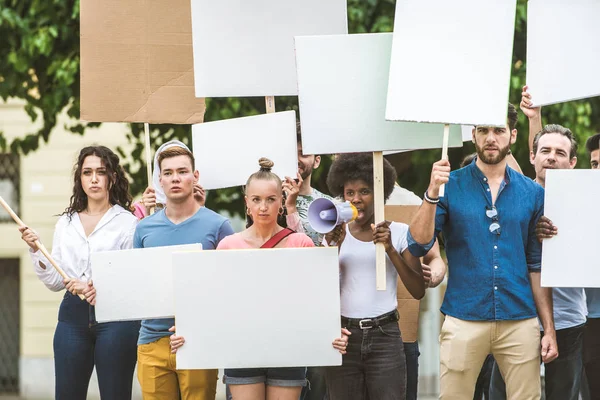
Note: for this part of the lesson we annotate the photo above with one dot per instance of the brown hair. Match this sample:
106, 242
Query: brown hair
118, 185
264, 173
175, 152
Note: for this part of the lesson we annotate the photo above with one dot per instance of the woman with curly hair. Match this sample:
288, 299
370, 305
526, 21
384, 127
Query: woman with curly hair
98, 218
374, 366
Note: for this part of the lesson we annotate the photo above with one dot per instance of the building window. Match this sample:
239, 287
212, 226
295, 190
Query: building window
9, 184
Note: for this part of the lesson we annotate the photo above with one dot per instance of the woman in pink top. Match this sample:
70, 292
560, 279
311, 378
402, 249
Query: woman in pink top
264, 205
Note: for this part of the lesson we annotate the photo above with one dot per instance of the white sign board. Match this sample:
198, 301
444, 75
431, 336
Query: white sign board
227, 152
467, 133
135, 284
246, 47
570, 258
254, 301
446, 67
342, 86
563, 50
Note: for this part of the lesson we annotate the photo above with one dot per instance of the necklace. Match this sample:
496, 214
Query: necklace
95, 215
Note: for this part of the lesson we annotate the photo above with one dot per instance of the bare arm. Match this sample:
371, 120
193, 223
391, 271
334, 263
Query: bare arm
407, 266
437, 267
512, 162
534, 114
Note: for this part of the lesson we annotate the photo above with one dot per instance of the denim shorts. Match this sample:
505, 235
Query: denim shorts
287, 377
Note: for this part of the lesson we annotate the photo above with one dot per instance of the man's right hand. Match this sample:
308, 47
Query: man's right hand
527, 105
545, 229
440, 174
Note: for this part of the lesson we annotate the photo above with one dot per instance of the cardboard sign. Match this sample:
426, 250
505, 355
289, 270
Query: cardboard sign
445, 68
227, 152
571, 203
570, 50
246, 47
135, 284
342, 85
256, 305
408, 306
137, 63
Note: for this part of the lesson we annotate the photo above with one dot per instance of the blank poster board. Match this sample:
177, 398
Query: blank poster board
227, 152
408, 306
256, 305
137, 62
570, 258
342, 86
135, 284
445, 68
563, 60
246, 47
467, 132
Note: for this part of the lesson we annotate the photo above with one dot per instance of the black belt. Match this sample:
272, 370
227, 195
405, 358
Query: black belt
368, 323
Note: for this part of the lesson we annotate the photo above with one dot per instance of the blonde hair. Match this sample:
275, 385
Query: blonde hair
264, 173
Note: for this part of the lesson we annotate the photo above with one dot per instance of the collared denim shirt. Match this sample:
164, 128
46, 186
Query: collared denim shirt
488, 276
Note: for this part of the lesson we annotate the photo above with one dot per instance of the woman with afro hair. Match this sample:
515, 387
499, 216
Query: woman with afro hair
374, 366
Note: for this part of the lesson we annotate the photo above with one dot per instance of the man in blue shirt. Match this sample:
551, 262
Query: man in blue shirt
488, 217
182, 221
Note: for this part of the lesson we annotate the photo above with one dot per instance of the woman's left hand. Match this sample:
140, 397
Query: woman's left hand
382, 234
341, 344
75, 286
90, 293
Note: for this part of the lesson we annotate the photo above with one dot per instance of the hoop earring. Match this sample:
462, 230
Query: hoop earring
281, 210
247, 211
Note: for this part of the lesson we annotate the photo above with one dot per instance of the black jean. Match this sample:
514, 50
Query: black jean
411, 352
80, 344
591, 356
374, 366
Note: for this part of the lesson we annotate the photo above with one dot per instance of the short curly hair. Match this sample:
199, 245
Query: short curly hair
354, 166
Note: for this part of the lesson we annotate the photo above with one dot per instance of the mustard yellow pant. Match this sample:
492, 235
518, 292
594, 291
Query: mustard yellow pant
464, 345
160, 380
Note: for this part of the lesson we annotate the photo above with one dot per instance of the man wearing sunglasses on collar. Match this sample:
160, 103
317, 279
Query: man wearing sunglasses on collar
488, 217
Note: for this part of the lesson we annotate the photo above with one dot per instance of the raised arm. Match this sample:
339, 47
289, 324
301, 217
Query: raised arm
534, 114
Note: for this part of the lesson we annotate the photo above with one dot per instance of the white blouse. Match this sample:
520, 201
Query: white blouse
71, 248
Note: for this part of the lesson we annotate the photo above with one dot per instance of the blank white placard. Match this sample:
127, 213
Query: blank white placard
563, 50
135, 284
451, 61
570, 258
246, 47
227, 152
342, 86
467, 132
249, 308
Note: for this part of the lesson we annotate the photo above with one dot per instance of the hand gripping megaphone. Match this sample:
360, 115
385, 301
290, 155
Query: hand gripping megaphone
324, 215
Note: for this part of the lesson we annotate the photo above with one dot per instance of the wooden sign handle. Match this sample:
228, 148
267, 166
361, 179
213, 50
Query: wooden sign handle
148, 152
270, 102
380, 268
445, 153
39, 245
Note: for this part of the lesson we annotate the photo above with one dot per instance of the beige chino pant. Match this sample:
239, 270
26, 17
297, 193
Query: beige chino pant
464, 346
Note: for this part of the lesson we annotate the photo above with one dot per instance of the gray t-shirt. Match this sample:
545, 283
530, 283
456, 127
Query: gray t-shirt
302, 203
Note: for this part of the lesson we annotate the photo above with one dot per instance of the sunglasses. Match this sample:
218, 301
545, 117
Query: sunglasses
492, 213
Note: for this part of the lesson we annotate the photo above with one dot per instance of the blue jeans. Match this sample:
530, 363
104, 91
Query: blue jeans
411, 352
80, 343
563, 375
374, 366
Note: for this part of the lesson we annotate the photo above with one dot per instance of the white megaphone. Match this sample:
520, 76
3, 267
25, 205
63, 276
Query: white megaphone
324, 215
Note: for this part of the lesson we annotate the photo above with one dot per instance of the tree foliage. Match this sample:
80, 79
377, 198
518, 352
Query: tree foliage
39, 63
